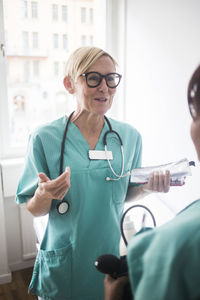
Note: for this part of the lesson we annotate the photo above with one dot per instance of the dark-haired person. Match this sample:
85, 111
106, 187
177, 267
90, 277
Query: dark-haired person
164, 263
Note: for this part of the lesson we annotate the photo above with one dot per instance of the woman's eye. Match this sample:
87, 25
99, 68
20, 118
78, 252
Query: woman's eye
93, 78
110, 78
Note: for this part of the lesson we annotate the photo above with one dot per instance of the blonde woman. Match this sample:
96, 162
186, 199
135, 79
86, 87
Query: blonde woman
81, 186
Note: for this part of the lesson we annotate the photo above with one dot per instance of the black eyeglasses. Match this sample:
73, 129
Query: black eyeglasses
93, 79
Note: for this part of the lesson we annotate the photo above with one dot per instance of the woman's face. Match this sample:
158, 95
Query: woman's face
97, 100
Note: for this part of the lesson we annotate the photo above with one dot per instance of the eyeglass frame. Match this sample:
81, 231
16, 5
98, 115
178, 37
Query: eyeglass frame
101, 78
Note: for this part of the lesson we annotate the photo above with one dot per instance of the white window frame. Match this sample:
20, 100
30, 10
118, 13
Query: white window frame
111, 33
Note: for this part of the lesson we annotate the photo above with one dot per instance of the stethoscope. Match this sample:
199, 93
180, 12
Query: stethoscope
63, 206
125, 213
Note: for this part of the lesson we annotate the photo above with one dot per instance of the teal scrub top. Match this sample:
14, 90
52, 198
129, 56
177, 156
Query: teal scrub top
64, 267
164, 263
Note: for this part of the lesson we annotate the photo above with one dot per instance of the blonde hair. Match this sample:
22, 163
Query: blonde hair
81, 60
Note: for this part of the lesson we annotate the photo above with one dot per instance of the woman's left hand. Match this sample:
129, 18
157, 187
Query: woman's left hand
158, 182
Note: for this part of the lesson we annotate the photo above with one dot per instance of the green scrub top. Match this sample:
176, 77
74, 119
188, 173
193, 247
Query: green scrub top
64, 267
164, 263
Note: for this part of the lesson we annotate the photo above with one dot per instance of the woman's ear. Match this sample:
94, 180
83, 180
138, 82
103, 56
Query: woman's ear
69, 85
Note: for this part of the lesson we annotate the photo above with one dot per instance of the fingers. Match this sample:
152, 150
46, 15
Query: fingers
58, 187
158, 182
167, 182
43, 177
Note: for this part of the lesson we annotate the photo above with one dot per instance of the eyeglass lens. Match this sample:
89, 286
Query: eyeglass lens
94, 79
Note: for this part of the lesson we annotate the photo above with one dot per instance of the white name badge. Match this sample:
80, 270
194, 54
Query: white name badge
100, 154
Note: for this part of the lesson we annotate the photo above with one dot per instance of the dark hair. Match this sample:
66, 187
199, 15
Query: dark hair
193, 93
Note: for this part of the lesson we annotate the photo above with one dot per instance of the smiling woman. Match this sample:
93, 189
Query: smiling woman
80, 185
93, 93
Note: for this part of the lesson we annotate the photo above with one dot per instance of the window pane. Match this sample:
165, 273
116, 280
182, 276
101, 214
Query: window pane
34, 9
64, 13
55, 12
91, 15
36, 53
24, 9
35, 39
36, 68
65, 42
55, 40
83, 15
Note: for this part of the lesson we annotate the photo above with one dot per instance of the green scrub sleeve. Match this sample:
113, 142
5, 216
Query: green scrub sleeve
34, 163
164, 262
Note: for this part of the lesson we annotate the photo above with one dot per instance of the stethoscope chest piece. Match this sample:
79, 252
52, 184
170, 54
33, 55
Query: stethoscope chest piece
63, 207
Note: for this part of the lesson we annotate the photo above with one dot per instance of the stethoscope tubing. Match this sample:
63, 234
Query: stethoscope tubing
123, 217
60, 204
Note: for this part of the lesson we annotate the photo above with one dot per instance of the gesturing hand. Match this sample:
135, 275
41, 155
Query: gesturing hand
56, 188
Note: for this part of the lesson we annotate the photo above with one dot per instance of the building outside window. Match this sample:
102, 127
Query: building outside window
55, 40
64, 13
55, 12
91, 15
34, 10
25, 37
83, 14
91, 40
25, 9
35, 40
83, 40
36, 68
35, 79
56, 68
26, 70
65, 42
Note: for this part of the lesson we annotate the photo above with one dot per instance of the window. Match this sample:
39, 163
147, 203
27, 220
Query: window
25, 9
34, 10
35, 39
25, 38
55, 12
64, 13
26, 71
56, 68
83, 15
36, 68
83, 40
91, 15
65, 42
55, 40
32, 70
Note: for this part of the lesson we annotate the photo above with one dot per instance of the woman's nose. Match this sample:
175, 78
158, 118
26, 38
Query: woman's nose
103, 85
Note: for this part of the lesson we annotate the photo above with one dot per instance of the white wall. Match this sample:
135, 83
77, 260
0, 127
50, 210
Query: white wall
162, 51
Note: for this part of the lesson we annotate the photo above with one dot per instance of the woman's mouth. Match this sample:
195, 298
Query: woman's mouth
100, 99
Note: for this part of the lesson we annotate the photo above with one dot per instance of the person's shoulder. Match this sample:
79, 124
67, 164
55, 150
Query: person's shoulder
124, 127
179, 231
53, 127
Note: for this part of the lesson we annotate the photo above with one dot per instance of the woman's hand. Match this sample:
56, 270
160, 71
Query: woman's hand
114, 288
54, 189
158, 182
47, 190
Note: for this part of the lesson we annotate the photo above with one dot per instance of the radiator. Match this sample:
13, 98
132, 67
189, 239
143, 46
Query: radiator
27, 233
19, 221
